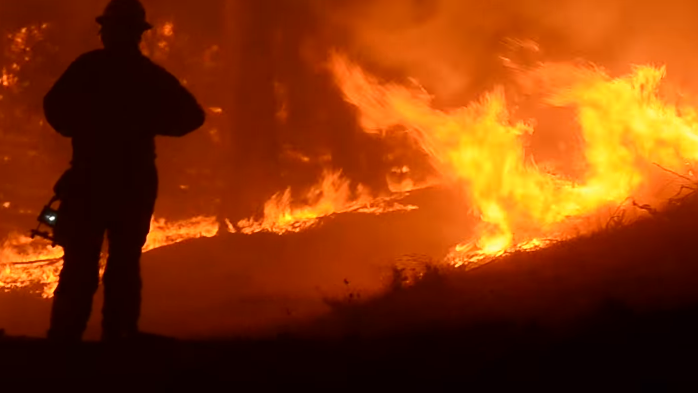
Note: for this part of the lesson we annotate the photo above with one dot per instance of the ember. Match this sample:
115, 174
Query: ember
20, 52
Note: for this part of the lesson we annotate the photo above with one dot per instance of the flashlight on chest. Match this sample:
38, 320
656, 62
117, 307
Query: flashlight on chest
48, 218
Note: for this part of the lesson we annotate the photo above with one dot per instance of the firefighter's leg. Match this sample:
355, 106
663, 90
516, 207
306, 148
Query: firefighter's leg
122, 278
78, 282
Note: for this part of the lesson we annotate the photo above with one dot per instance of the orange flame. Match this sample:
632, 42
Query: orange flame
25, 262
164, 234
331, 196
24, 270
626, 126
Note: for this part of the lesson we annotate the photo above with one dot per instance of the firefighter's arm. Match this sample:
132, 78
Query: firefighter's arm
180, 113
62, 107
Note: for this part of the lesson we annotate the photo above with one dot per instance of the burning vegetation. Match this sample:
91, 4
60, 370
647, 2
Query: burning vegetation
633, 134
630, 131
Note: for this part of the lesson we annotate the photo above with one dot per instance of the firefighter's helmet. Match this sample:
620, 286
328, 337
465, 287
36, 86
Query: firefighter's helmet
125, 13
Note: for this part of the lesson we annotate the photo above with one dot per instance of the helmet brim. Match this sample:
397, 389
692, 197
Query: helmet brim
142, 25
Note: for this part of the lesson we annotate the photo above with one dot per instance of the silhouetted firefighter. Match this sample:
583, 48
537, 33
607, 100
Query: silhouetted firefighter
112, 103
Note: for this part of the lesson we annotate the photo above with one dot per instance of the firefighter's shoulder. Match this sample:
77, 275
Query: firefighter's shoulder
90, 58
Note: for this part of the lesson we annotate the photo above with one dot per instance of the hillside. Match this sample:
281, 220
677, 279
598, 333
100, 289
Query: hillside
618, 307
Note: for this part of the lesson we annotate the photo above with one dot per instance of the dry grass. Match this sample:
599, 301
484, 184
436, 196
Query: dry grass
648, 266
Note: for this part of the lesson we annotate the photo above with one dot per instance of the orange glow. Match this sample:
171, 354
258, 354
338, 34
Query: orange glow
399, 181
626, 125
7, 79
20, 52
167, 29
157, 42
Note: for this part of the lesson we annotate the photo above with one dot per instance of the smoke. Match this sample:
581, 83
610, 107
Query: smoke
457, 49
453, 47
